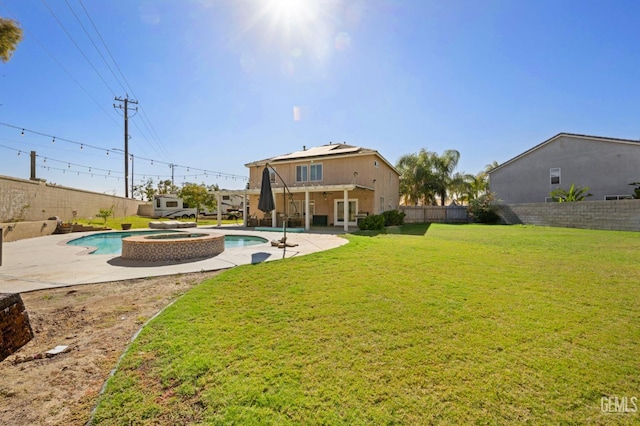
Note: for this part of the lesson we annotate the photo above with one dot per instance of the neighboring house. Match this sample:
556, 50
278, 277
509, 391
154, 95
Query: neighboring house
320, 179
606, 165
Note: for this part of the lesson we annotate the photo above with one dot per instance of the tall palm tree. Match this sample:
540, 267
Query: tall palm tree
444, 165
416, 177
460, 186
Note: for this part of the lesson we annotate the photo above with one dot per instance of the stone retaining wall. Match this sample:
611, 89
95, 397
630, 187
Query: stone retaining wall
27, 200
15, 329
619, 215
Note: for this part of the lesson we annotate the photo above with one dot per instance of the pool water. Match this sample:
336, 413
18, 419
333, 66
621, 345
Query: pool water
111, 242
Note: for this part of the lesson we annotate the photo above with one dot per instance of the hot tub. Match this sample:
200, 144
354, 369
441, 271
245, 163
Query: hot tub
165, 247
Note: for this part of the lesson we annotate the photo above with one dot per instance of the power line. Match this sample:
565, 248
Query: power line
32, 35
94, 44
77, 46
206, 172
89, 169
147, 123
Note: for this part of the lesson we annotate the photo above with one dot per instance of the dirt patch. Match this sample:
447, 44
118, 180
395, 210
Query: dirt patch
96, 322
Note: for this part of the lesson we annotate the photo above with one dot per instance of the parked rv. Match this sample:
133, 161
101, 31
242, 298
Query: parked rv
172, 206
230, 206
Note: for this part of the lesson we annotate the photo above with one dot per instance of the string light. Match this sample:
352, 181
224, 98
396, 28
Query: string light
55, 139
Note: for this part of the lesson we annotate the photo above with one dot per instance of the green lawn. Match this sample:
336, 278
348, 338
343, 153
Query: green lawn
450, 324
143, 222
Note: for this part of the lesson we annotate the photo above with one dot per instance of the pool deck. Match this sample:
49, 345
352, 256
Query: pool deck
48, 262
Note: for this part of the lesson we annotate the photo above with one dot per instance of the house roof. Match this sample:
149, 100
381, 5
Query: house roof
563, 134
323, 151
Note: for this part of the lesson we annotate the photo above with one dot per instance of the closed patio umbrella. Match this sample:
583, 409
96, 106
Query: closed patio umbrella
266, 202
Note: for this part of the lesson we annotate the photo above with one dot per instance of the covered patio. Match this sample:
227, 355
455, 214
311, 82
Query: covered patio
320, 201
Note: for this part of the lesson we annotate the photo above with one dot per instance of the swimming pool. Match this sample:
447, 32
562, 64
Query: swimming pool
111, 242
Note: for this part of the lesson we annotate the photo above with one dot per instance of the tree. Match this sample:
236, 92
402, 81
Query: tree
416, 177
636, 191
197, 196
145, 191
572, 195
484, 209
10, 36
444, 165
426, 176
105, 213
167, 187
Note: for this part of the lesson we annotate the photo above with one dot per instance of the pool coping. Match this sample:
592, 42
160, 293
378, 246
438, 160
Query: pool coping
48, 262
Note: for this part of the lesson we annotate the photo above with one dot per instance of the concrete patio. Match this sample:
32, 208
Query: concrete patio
47, 262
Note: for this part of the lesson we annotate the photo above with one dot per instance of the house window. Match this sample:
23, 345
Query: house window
226, 197
315, 172
272, 175
301, 173
555, 176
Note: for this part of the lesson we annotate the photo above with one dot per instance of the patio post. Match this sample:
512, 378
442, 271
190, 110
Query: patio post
306, 210
346, 210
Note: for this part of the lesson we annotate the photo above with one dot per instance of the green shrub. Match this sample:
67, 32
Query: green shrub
483, 209
105, 213
393, 218
373, 222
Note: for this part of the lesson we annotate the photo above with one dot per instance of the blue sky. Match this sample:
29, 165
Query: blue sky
221, 83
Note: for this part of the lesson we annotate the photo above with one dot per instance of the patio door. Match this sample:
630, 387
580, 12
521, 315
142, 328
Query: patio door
338, 211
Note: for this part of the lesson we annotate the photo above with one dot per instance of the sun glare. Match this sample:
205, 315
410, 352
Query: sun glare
293, 11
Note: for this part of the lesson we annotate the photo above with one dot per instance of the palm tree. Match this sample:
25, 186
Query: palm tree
572, 195
444, 165
416, 177
460, 186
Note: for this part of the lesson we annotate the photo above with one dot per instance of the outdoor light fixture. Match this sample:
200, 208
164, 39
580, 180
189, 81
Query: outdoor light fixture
324, 195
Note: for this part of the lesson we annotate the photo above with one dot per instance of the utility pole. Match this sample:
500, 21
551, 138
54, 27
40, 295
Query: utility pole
126, 108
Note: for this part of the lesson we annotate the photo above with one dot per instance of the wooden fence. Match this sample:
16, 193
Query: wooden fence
435, 214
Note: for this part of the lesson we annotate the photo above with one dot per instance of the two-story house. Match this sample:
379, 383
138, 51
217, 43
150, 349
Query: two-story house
328, 185
606, 165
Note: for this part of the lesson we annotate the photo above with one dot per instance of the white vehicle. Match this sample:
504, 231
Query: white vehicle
171, 206
229, 204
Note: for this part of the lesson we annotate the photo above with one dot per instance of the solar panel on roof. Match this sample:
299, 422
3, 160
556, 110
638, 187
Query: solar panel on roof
317, 151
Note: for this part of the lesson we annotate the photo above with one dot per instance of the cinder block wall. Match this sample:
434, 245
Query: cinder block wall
26, 200
620, 215
15, 329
